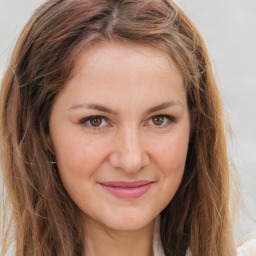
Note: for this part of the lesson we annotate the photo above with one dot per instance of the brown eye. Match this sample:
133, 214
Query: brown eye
158, 120
96, 121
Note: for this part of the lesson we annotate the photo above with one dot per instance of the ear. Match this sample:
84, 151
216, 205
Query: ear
49, 140
50, 144
193, 116
47, 143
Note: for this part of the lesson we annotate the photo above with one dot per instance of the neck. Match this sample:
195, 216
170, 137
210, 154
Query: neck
102, 241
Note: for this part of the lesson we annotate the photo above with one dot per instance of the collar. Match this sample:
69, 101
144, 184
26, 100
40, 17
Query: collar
157, 243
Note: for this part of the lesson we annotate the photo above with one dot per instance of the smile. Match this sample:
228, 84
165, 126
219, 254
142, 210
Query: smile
127, 190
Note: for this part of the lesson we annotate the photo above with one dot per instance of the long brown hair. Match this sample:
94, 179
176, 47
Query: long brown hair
44, 219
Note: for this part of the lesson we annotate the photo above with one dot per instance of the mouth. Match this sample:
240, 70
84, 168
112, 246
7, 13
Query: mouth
127, 190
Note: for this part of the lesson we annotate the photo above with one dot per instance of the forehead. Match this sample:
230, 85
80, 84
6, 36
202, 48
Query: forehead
115, 52
110, 70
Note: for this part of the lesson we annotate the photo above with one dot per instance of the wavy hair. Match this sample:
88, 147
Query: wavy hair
44, 219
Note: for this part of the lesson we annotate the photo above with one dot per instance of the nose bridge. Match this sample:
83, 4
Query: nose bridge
131, 154
130, 141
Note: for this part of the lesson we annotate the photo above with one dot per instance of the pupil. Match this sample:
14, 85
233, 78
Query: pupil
158, 120
96, 121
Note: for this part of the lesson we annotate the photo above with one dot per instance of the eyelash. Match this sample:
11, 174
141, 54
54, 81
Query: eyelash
167, 120
85, 121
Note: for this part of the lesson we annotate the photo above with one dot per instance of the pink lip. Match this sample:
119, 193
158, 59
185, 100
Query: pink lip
127, 190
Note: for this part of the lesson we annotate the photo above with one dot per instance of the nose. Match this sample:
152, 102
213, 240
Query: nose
128, 152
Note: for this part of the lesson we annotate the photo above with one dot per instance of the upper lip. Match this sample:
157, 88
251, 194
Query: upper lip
126, 184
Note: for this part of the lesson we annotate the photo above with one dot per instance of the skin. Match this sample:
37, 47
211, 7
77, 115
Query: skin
128, 145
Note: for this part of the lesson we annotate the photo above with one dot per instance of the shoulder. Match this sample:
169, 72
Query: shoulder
248, 248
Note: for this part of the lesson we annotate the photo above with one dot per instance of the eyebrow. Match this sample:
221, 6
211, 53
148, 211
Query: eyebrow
164, 105
95, 107
105, 109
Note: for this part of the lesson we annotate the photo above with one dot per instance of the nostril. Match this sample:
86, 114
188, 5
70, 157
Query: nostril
131, 161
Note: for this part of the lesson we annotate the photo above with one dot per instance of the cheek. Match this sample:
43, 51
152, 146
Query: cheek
170, 158
78, 162
171, 154
80, 157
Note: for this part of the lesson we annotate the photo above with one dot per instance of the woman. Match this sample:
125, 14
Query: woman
112, 134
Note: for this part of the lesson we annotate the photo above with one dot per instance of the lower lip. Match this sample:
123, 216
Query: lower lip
127, 193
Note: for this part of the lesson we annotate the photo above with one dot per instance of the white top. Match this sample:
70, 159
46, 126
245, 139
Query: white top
247, 249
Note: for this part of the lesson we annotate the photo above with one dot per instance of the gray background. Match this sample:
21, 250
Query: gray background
229, 28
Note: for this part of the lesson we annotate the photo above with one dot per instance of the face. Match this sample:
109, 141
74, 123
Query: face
120, 132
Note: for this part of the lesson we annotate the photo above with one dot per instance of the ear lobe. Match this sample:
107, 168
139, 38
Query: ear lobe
49, 140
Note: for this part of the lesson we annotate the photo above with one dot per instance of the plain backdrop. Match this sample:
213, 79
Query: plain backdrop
228, 27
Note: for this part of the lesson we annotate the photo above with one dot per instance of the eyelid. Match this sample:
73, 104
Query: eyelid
84, 121
170, 119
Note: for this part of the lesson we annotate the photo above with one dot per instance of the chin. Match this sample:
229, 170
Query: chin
129, 222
